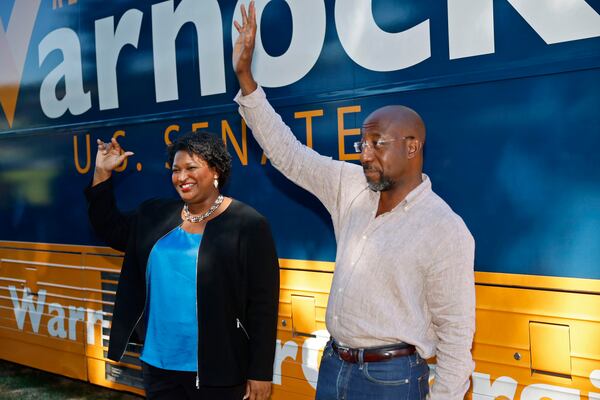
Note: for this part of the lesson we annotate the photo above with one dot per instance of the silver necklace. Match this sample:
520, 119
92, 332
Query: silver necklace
198, 218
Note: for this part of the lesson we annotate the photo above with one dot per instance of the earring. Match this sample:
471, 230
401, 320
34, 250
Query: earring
216, 183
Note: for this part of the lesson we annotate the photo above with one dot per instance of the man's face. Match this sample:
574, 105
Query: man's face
384, 155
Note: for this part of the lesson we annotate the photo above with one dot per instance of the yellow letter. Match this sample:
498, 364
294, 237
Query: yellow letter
226, 131
309, 116
199, 125
170, 129
85, 169
121, 167
342, 132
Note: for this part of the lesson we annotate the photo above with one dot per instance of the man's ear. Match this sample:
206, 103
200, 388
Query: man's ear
414, 146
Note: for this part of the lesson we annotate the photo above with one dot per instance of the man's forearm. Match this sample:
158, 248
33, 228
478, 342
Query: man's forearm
318, 174
247, 83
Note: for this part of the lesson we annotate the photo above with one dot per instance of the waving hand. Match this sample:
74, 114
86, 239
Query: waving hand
109, 156
243, 49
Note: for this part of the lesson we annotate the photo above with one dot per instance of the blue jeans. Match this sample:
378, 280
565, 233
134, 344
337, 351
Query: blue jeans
400, 378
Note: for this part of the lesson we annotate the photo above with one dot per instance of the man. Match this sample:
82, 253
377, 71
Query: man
403, 286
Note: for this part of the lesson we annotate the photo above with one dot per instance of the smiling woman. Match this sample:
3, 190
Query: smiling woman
200, 165
198, 271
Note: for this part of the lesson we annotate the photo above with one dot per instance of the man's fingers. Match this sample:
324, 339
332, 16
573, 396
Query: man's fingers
237, 26
244, 15
252, 12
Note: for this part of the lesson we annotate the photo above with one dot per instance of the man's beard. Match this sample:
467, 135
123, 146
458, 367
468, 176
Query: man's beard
383, 184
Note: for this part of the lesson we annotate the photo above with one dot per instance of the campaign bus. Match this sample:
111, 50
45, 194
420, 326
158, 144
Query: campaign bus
509, 91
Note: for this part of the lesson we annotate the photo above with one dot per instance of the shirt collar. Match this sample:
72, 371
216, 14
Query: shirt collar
415, 195
420, 191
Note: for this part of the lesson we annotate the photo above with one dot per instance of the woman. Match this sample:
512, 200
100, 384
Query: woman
200, 278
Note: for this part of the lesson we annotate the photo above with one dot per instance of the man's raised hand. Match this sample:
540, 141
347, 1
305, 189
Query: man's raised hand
243, 49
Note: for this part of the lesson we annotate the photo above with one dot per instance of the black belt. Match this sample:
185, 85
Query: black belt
373, 354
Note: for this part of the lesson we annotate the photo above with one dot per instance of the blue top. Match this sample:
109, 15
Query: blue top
172, 325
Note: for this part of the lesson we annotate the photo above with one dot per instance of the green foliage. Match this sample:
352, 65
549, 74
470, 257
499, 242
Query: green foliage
22, 383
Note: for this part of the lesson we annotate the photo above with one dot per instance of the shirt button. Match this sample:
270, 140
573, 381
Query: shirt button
364, 237
340, 290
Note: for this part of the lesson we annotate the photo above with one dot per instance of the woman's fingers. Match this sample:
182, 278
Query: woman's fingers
103, 148
113, 148
116, 144
124, 156
258, 390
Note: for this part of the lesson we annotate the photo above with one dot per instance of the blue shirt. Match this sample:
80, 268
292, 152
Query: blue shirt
172, 324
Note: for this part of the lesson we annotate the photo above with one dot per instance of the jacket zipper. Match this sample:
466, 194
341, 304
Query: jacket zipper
240, 326
146, 298
197, 323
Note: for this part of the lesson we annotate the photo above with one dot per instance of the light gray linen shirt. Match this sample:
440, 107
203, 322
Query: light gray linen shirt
404, 276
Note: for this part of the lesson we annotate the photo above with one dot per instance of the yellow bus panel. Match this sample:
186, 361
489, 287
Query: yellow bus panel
535, 336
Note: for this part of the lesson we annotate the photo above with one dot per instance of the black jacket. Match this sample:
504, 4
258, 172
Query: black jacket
237, 285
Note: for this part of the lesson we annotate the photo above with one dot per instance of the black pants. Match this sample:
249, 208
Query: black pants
163, 384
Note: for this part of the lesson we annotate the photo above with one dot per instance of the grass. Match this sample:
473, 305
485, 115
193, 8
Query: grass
22, 383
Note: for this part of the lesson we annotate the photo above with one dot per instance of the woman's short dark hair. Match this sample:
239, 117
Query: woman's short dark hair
209, 147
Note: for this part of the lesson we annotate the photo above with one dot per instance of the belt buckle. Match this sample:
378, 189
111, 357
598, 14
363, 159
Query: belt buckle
345, 353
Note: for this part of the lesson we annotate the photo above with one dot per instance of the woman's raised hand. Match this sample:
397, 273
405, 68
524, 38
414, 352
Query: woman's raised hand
244, 48
108, 158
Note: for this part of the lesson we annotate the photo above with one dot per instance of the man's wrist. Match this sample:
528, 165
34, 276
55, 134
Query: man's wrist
247, 83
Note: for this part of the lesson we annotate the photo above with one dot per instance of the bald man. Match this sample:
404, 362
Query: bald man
403, 287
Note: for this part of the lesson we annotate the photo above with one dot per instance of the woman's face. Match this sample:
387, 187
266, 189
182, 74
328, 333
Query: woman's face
192, 177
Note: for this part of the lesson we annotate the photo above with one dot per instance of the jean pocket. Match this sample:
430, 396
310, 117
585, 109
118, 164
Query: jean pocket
392, 372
